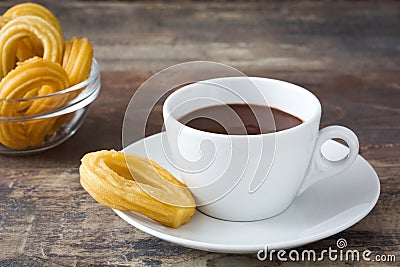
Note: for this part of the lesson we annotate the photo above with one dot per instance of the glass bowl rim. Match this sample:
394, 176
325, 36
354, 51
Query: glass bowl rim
94, 73
91, 85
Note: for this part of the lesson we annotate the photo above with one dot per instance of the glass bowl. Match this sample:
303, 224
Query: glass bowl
34, 124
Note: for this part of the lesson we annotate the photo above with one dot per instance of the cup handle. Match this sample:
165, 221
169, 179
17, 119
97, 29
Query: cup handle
321, 167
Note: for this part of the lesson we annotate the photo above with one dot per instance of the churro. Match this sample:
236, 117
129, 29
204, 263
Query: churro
31, 46
27, 26
32, 9
34, 77
131, 182
77, 59
33, 68
26, 78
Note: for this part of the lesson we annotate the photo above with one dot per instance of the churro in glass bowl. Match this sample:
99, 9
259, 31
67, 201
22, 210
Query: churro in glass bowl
47, 83
33, 124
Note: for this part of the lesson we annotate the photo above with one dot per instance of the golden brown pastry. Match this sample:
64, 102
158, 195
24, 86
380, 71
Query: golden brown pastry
32, 9
29, 76
77, 60
32, 36
31, 46
131, 182
26, 47
19, 29
34, 77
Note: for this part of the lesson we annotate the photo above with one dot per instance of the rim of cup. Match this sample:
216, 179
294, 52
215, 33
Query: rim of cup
316, 115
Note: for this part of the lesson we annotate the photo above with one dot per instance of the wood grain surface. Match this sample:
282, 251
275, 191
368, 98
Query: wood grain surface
345, 52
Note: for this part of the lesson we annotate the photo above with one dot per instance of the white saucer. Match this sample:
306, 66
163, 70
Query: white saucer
326, 208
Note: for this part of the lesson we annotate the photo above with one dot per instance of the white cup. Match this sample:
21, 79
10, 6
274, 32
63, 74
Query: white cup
251, 177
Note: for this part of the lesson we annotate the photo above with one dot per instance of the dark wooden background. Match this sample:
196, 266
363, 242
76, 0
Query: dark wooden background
346, 52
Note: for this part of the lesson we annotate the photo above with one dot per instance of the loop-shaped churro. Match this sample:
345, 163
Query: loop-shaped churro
32, 9
32, 46
28, 26
28, 47
28, 78
32, 78
131, 182
77, 60
29, 87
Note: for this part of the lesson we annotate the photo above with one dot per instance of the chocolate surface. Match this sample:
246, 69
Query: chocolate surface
240, 119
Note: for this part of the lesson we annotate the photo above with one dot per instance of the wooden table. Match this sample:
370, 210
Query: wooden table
347, 53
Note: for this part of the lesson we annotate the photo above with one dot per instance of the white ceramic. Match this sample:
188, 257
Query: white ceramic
326, 208
251, 177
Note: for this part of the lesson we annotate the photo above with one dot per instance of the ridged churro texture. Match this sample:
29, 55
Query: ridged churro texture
77, 59
31, 46
32, 9
37, 77
21, 27
36, 62
131, 182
